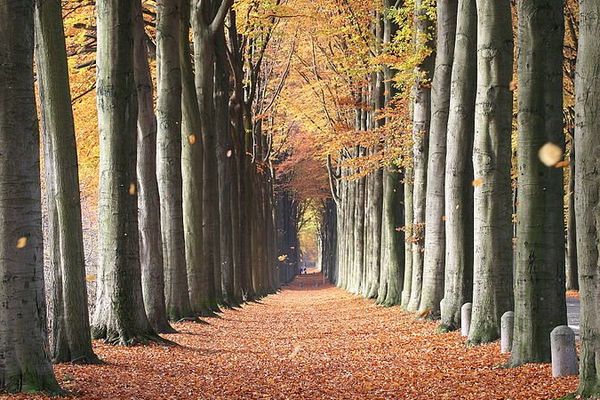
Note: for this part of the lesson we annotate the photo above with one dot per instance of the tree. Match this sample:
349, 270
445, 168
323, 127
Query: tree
71, 339
199, 277
206, 21
492, 294
169, 148
151, 252
458, 281
540, 263
421, 125
587, 191
225, 166
392, 238
119, 317
434, 263
25, 366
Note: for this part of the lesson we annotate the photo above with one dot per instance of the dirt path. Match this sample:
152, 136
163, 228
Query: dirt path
311, 341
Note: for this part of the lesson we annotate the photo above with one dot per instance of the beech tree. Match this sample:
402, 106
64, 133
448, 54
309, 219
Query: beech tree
71, 339
151, 252
421, 124
119, 316
540, 263
458, 281
492, 268
25, 365
192, 156
433, 267
169, 149
587, 192
207, 18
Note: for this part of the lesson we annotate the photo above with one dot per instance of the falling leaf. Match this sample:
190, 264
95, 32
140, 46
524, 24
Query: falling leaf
444, 218
477, 182
21, 242
90, 278
192, 138
562, 164
229, 153
550, 154
282, 258
132, 189
513, 85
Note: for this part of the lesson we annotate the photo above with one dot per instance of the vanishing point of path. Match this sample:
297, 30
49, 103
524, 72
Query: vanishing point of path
310, 341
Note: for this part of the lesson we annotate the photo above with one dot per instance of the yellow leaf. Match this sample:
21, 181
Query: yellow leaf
550, 154
21, 242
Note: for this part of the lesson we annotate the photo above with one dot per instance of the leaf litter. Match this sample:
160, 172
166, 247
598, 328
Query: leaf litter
310, 341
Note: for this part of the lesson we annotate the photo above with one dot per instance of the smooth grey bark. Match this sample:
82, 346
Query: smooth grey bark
71, 338
435, 241
192, 159
375, 209
571, 274
492, 283
458, 282
539, 282
392, 245
421, 125
408, 218
206, 21
149, 220
169, 156
587, 192
225, 166
359, 229
24, 362
119, 317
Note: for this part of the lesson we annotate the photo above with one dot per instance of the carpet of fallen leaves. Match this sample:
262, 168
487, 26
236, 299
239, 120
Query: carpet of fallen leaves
310, 341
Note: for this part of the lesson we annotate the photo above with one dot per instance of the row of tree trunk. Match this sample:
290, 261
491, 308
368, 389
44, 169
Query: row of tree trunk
438, 233
186, 199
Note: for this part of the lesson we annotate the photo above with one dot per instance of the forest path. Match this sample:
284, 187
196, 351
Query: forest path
310, 341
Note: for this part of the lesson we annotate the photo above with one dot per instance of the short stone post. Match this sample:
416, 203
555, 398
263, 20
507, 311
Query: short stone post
564, 354
465, 318
507, 324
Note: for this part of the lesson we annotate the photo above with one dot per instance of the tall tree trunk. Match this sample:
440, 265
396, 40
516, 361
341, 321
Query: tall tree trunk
572, 281
421, 124
434, 262
458, 280
375, 210
540, 263
408, 234
119, 317
24, 362
192, 161
492, 289
151, 252
225, 162
204, 59
393, 239
359, 229
71, 339
587, 192
170, 52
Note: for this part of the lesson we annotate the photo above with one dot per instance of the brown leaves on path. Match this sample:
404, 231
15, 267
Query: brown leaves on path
311, 341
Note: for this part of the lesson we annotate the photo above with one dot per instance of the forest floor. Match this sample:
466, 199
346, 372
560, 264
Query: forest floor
310, 341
